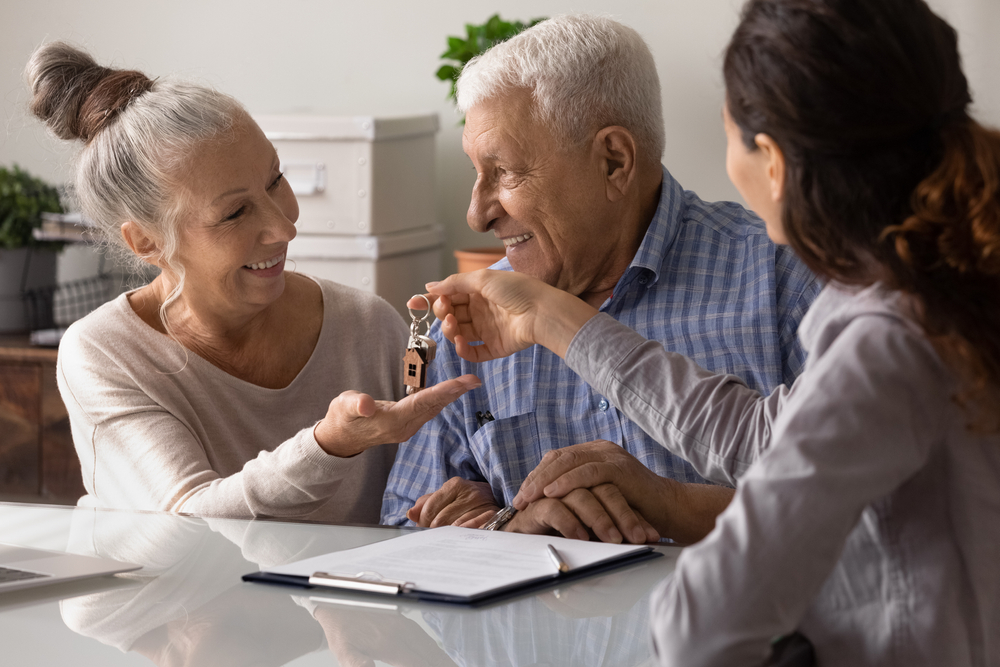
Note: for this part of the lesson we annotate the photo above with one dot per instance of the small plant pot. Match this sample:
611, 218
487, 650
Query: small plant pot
473, 259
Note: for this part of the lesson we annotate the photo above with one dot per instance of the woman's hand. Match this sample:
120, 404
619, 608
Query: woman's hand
507, 312
356, 421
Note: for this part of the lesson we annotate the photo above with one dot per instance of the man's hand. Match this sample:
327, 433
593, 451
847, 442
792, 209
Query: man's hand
459, 502
601, 510
683, 512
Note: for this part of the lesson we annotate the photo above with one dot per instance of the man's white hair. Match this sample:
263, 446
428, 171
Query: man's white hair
585, 73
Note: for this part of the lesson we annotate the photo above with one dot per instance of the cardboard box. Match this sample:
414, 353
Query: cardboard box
357, 175
395, 266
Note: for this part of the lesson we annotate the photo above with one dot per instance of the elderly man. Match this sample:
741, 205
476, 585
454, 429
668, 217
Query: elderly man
564, 127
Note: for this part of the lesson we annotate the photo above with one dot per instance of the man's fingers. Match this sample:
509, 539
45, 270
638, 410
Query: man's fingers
558, 463
583, 476
565, 521
456, 501
478, 520
430, 515
632, 525
594, 515
413, 514
553, 465
546, 515
460, 514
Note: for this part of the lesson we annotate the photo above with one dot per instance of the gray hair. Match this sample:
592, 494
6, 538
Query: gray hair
137, 133
585, 73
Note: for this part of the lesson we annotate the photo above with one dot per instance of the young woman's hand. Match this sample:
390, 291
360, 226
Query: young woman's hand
506, 312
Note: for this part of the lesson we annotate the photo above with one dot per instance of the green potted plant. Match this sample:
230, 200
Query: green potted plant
25, 263
478, 39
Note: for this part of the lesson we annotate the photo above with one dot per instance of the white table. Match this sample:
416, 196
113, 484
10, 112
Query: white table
188, 606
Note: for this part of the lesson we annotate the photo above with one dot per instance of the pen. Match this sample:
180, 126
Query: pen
556, 558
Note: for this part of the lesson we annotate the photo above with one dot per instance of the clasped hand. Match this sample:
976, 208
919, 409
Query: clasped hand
601, 503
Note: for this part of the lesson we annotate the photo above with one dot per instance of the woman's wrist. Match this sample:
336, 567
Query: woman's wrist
326, 439
560, 316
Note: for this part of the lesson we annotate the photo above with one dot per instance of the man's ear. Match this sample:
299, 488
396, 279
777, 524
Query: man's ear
616, 148
775, 166
144, 247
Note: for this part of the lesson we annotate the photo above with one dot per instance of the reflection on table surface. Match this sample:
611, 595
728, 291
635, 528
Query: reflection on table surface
188, 605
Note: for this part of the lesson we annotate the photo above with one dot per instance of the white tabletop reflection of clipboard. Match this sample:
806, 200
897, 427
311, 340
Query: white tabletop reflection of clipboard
459, 565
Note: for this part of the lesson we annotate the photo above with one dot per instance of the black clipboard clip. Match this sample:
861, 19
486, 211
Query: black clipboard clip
370, 582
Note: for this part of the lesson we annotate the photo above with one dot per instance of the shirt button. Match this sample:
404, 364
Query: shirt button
603, 405
643, 280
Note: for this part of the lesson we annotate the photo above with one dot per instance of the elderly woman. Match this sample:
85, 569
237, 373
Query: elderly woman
868, 494
209, 390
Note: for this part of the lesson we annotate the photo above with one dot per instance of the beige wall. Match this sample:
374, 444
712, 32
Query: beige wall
379, 57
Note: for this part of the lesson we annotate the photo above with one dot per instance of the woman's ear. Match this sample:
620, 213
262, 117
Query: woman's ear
775, 165
616, 148
144, 247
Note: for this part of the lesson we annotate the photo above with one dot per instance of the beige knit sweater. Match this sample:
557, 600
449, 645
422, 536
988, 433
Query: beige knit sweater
201, 441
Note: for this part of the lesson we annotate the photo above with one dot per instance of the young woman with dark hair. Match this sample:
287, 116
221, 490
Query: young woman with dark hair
868, 494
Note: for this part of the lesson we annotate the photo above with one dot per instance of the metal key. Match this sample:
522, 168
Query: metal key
420, 352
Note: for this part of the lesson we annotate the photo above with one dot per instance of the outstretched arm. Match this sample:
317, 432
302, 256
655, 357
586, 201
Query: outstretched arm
713, 421
506, 312
356, 421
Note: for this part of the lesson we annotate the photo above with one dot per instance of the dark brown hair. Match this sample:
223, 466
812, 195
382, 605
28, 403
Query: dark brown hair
75, 96
888, 178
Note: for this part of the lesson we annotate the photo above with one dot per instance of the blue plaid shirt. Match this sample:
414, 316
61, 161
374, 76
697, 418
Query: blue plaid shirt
706, 282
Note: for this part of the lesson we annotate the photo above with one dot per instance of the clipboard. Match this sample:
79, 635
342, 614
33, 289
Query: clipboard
454, 565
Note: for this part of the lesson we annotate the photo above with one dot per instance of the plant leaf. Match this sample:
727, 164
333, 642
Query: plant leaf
448, 72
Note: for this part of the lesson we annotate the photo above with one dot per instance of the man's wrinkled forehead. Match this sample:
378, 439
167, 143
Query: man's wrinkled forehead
500, 127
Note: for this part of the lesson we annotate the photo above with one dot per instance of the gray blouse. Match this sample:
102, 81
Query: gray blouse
871, 524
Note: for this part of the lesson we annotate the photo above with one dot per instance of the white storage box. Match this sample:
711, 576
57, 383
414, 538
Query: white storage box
394, 266
357, 175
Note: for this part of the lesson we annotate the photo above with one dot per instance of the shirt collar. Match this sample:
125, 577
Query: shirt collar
660, 235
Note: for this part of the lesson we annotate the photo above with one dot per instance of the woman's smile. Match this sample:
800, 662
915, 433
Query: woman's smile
268, 267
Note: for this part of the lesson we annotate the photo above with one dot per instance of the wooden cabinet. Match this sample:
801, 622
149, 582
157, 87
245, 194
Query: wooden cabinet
37, 459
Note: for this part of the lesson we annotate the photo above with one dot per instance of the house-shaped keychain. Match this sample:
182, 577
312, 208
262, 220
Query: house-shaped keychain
420, 351
415, 366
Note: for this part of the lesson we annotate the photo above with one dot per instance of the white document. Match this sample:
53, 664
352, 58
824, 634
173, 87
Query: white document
461, 562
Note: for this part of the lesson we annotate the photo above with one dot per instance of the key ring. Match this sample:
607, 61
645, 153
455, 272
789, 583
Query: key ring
415, 323
426, 314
